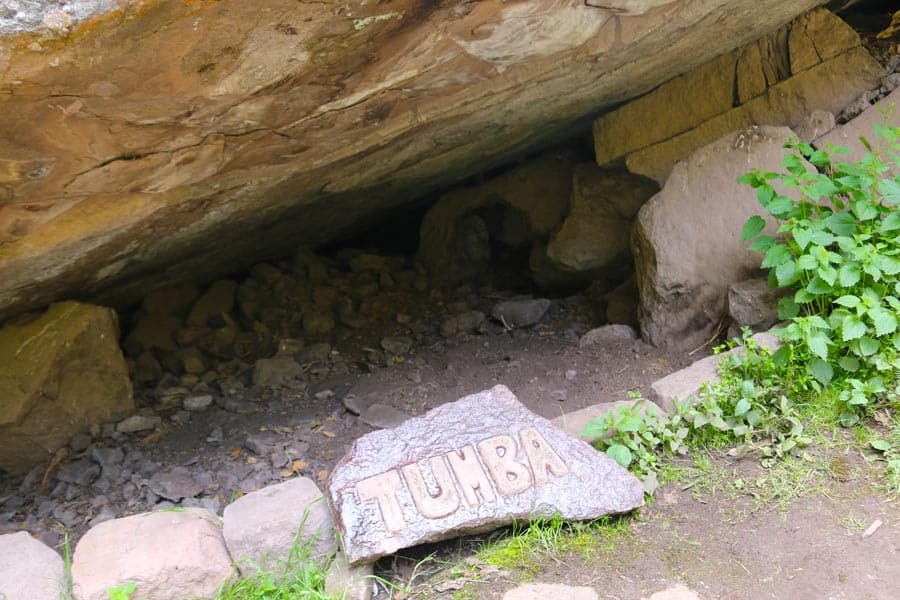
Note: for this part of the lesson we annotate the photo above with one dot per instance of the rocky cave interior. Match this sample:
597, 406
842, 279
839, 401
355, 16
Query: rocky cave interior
272, 371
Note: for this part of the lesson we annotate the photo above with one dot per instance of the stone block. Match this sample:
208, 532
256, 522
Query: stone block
557, 591
671, 109
608, 334
829, 86
264, 527
167, 554
687, 382
729, 81
469, 466
817, 36
30, 570
60, 373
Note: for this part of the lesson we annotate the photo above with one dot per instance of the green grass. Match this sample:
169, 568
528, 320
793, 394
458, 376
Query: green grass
527, 549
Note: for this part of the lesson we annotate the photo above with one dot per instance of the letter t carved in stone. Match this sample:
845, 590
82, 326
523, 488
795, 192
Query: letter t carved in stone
383, 488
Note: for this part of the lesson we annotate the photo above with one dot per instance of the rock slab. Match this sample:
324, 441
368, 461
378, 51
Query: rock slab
168, 555
29, 569
469, 466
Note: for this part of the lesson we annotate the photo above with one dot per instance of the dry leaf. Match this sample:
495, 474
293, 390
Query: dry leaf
235, 453
322, 475
329, 434
286, 474
251, 460
298, 465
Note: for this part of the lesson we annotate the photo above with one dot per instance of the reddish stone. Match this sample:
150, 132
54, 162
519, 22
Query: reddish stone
469, 466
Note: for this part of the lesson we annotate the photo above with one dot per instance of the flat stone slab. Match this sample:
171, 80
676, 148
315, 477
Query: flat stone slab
687, 382
473, 465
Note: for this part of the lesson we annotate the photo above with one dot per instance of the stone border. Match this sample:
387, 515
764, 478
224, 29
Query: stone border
257, 529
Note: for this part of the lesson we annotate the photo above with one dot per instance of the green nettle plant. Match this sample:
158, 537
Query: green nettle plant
838, 246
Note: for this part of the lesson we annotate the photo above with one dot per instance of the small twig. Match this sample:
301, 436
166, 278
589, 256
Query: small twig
715, 334
57, 459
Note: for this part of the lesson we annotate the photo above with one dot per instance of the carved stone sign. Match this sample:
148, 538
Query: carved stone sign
469, 466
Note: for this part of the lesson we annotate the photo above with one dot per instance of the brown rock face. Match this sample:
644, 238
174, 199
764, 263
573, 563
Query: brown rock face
60, 373
188, 139
473, 465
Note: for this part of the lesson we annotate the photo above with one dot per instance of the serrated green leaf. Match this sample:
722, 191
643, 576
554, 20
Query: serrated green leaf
885, 323
853, 328
775, 256
787, 308
849, 275
595, 428
620, 454
828, 275
849, 419
752, 178
881, 445
742, 407
762, 243
821, 370
864, 210
820, 158
780, 207
752, 227
802, 236
867, 346
803, 297
850, 301
629, 422
890, 190
818, 344
888, 264
807, 262
786, 273
793, 164
841, 223
819, 286
764, 194
849, 363
890, 223
719, 423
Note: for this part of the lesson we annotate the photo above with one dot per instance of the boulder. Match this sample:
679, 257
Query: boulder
168, 555
61, 372
266, 529
594, 236
469, 466
687, 239
188, 140
29, 569
521, 312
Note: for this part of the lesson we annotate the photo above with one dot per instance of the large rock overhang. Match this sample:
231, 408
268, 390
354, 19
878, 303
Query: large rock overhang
175, 140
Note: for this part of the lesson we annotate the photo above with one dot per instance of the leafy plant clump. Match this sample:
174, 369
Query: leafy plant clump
838, 247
